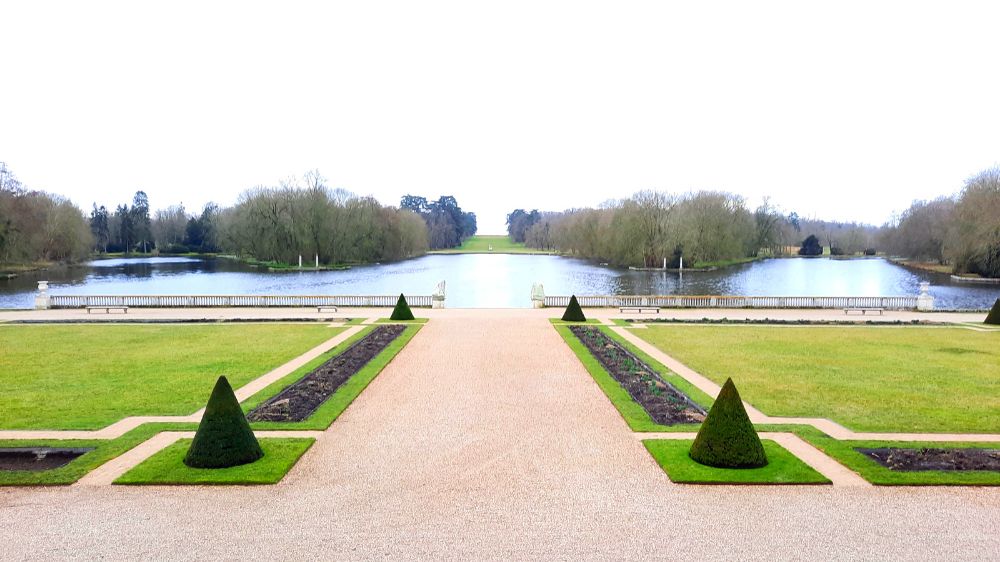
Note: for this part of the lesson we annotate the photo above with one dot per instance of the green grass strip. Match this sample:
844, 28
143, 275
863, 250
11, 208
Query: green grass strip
167, 466
391, 321
104, 450
342, 398
782, 468
561, 322
634, 415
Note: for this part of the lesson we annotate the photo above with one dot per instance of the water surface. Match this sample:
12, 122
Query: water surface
501, 281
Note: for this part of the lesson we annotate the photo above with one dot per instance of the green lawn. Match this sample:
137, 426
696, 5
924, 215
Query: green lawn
480, 244
167, 466
89, 376
890, 379
782, 467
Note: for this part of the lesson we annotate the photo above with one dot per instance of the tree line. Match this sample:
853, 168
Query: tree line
38, 226
298, 217
447, 224
961, 231
653, 227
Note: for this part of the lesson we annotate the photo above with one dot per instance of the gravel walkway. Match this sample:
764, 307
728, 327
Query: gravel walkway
485, 438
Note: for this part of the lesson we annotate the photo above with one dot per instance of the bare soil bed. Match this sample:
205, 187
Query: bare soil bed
935, 459
36, 459
299, 400
664, 403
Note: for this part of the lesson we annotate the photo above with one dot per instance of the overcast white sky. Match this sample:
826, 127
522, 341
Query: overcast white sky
840, 110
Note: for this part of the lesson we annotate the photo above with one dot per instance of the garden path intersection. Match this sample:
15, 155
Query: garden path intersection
486, 438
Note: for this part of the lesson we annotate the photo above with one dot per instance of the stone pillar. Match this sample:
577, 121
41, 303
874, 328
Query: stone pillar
42, 298
437, 297
925, 301
537, 296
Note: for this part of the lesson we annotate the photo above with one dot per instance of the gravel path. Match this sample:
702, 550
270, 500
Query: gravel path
485, 438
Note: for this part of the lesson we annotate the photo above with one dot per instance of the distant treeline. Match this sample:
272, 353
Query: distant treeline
703, 227
38, 226
962, 231
447, 224
268, 223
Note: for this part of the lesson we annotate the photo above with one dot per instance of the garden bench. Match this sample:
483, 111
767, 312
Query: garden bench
107, 309
863, 310
326, 308
639, 309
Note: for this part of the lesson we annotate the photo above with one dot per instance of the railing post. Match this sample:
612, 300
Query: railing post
42, 300
925, 301
437, 297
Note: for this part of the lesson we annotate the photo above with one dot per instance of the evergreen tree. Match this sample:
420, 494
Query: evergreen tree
224, 437
573, 311
402, 310
727, 439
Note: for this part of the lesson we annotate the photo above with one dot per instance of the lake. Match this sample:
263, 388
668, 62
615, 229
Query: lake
497, 280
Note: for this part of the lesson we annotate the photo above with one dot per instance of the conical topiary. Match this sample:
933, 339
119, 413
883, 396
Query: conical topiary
994, 316
224, 436
573, 311
727, 439
402, 310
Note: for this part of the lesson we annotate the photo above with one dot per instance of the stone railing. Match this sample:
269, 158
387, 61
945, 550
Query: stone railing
686, 301
223, 301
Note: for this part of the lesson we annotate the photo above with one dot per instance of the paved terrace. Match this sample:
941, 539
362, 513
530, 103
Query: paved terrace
486, 438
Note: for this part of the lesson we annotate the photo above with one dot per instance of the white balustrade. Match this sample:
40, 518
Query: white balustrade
728, 301
226, 301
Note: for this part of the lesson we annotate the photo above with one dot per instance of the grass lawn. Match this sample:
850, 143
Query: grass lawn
480, 244
633, 414
843, 452
167, 466
889, 379
104, 450
336, 404
782, 467
90, 376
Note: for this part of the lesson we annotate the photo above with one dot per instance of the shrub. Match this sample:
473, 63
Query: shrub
402, 310
811, 247
869, 251
836, 251
573, 311
994, 316
224, 437
727, 439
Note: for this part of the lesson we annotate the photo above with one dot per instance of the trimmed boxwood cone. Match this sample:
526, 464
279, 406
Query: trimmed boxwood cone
994, 316
402, 310
573, 311
224, 436
727, 439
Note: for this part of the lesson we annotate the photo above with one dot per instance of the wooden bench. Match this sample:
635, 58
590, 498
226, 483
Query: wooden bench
863, 310
639, 309
107, 309
326, 308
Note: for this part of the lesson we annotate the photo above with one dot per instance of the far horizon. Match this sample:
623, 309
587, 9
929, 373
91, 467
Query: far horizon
842, 115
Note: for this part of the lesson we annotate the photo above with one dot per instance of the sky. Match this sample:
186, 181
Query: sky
837, 110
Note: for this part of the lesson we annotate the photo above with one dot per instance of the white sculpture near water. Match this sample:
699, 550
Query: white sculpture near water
437, 297
537, 295
925, 301
42, 298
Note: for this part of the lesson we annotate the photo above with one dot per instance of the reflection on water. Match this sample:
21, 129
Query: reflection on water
483, 280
